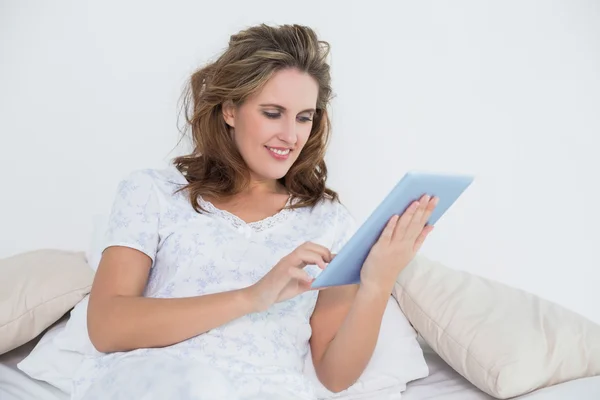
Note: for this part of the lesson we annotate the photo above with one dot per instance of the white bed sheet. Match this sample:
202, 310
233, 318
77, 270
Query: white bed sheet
15, 385
443, 383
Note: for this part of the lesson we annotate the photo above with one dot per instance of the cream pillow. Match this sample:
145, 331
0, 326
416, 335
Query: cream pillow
505, 341
36, 289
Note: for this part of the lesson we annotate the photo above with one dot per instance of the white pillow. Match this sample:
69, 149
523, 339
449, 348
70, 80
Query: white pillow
48, 363
505, 341
397, 360
94, 251
74, 337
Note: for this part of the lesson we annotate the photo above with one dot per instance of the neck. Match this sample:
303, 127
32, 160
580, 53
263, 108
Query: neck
261, 187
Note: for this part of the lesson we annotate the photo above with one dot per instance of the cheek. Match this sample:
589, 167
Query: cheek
304, 134
258, 130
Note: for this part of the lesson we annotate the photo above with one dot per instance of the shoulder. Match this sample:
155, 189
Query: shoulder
156, 176
336, 209
329, 215
159, 181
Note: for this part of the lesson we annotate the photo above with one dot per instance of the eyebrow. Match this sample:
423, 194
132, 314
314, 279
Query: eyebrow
282, 108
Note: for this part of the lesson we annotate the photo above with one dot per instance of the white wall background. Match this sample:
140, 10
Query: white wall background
509, 91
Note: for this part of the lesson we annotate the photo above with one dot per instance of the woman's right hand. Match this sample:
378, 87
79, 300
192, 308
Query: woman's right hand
287, 278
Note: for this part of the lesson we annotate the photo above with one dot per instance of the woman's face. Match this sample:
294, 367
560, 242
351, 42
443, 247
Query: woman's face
272, 126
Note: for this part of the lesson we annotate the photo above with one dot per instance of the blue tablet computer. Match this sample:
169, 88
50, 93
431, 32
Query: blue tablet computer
345, 267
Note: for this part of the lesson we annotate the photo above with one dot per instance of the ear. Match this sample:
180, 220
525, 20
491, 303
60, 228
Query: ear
229, 113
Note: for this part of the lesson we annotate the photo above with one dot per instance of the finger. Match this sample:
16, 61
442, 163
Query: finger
429, 209
423, 203
331, 260
301, 257
388, 231
405, 219
416, 224
317, 248
421, 239
300, 275
308, 257
304, 286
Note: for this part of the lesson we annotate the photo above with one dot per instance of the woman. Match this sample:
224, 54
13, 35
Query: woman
203, 290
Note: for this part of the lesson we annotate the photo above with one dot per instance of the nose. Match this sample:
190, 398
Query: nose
288, 132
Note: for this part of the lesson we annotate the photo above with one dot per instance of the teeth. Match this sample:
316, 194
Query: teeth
280, 152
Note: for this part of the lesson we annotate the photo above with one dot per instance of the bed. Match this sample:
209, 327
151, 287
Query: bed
498, 337
443, 383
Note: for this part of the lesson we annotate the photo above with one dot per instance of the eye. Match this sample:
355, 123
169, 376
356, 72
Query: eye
304, 119
272, 115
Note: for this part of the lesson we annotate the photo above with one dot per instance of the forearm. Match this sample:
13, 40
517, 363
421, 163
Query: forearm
348, 354
124, 323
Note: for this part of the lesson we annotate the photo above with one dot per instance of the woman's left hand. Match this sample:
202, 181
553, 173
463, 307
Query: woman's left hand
397, 245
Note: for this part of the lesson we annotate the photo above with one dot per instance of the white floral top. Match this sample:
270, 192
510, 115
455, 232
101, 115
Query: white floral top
195, 254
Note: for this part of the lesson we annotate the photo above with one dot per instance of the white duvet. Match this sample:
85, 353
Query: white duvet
443, 383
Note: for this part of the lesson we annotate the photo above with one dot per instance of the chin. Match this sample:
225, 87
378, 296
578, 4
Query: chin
272, 173
276, 176
270, 169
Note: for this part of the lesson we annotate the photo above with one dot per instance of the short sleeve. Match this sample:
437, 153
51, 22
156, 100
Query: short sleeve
134, 217
345, 227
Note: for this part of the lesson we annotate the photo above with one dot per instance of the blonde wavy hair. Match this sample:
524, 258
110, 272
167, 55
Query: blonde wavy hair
215, 167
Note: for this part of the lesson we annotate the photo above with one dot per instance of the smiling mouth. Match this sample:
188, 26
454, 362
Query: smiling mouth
280, 152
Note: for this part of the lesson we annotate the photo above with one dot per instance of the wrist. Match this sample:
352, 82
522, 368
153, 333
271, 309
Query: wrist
374, 292
249, 299
255, 299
